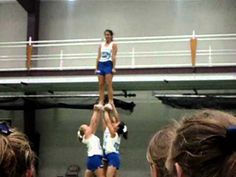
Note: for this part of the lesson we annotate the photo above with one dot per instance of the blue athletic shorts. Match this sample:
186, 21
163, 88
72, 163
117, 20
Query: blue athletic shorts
104, 68
94, 162
112, 159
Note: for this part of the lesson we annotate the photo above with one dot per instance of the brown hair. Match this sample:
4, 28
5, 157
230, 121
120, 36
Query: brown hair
16, 156
201, 146
110, 32
158, 149
80, 133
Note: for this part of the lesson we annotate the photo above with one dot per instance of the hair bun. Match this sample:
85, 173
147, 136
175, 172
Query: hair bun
79, 135
231, 138
5, 128
125, 129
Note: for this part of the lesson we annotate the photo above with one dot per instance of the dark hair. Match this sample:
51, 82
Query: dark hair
80, 133
122, 130
203, 145
109, 31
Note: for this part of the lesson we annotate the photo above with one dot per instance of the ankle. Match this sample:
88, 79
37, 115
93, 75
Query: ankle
111, 102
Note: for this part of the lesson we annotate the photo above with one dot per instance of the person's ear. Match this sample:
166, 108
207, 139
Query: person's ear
29, 173
179, 170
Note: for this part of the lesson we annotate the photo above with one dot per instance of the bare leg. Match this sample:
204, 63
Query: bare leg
99, 172
101, 80
88, 173
116, 175
109, 87
111, 171
105, 167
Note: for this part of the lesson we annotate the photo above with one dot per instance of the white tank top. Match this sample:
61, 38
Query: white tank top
93, 145
106, 52
110, 144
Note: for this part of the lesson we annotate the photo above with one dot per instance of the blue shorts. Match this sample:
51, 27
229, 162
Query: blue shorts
112, 159
104, 68
94, 162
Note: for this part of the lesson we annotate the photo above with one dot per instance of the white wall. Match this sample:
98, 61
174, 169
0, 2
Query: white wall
13, 27
13, 22
89, 18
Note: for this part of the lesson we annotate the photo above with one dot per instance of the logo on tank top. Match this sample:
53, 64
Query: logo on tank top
106, 55
117, 146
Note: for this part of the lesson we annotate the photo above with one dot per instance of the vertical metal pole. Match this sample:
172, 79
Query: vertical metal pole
193, 46
29, 49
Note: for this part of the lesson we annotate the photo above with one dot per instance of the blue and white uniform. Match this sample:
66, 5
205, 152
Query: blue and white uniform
95, 153
105, 64
111, 147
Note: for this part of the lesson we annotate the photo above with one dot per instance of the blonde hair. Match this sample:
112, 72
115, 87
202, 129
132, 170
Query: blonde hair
80, 133
201, 146
158, 149
16, 156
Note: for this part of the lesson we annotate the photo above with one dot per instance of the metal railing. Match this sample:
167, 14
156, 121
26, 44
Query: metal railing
193, 50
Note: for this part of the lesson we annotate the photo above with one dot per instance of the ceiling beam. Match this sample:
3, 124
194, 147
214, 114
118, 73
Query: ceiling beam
28, 5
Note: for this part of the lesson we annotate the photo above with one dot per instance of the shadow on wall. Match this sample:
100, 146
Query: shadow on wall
18, 104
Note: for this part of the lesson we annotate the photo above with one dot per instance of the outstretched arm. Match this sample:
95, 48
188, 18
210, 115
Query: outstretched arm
103, 124
115, 113
107, 120
95, 121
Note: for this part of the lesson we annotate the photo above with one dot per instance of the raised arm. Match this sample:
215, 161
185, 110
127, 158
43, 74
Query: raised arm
114, 53
115, 113
108, 123
103, 124
95, 121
